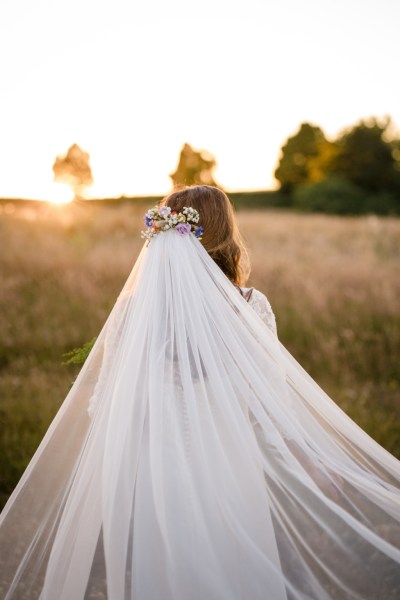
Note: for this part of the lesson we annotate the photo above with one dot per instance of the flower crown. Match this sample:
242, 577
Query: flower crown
162, 218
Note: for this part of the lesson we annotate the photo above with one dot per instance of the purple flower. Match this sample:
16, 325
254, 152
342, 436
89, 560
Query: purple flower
165, 211
148, 221
183, 228
199, 231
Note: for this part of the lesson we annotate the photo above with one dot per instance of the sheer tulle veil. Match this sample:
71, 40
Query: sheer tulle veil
194, 458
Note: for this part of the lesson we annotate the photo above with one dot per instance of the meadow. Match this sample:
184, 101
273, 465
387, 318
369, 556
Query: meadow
333, 282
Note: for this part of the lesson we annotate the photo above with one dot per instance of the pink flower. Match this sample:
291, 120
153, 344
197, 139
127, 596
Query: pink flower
183, 228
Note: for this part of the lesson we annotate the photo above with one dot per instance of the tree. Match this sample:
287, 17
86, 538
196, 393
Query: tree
73, 168
194, 168
367, 158
297, 163
319, 165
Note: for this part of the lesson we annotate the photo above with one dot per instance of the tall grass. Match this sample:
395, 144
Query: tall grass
333, 282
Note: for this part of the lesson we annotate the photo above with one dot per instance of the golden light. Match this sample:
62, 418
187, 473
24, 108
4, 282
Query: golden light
243, 123
58, 193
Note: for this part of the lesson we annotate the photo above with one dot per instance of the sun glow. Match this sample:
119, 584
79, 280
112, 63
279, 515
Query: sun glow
59, 193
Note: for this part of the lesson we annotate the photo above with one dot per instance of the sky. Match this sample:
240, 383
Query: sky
132, 81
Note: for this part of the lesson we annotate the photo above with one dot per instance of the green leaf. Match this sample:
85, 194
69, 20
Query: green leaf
77, 356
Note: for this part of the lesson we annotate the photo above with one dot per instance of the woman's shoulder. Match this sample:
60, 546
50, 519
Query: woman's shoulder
261, 305
247, 292
252, 294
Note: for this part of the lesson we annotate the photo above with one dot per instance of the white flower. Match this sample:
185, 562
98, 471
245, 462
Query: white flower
164, 211
161, 219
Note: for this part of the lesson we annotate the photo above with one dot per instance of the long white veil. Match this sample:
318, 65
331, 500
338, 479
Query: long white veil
194, 458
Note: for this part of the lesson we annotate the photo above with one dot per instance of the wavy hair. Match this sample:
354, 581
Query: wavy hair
221, 237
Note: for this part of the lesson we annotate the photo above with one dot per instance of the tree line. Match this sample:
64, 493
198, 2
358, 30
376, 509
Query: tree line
355, 173
73, 169
358, 172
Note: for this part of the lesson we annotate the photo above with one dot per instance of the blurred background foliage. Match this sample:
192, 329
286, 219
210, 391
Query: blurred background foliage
195, 167
358, 172
73, 168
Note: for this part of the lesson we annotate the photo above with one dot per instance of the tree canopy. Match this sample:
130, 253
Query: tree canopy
367, 158
296, 155
195, 167
359, 170
73, 168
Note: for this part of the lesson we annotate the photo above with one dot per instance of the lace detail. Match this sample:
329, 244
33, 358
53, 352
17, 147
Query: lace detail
261, 305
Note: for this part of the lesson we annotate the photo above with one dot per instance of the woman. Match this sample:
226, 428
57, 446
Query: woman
193, 457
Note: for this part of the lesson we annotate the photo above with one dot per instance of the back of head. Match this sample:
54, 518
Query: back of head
221, 237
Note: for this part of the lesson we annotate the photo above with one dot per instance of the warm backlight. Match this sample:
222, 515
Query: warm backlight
59, 193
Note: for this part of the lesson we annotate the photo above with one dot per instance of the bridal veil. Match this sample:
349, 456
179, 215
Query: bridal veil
194, 458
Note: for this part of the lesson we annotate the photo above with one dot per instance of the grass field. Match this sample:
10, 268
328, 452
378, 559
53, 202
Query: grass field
334, 284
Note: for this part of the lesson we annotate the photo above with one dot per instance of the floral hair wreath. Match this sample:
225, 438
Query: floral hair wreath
162, 218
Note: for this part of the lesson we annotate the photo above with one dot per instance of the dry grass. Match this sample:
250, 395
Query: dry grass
334, 284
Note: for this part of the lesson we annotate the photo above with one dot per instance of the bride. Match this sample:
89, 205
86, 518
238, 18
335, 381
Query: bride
194, 458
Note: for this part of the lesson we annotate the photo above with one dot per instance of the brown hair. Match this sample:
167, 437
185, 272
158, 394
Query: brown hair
221, 237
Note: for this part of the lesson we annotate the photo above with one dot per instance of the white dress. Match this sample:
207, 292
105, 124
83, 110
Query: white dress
262, 307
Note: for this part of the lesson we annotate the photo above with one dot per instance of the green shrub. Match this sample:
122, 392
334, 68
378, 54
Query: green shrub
333, 196
383, 203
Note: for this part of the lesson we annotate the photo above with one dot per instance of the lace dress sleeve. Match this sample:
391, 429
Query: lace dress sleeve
261, 305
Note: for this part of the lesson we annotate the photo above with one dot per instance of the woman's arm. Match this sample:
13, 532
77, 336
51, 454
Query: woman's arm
263, 308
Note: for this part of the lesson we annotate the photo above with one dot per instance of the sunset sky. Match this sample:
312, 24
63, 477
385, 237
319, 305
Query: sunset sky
131, 81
